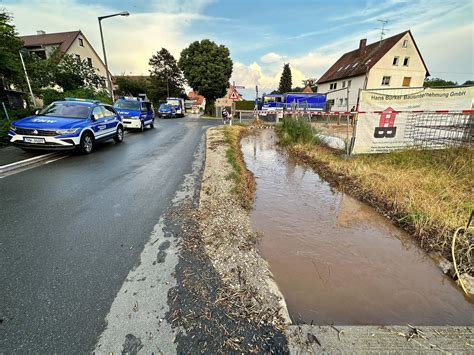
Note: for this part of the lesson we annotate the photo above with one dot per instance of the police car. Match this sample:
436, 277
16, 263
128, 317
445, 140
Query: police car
136, 112
66, 125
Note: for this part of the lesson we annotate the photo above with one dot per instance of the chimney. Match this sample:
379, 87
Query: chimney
362, 44
40, 32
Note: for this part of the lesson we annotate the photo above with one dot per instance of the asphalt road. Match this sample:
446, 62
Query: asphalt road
73, 229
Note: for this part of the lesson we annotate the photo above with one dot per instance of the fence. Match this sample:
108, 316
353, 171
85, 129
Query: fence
424, 118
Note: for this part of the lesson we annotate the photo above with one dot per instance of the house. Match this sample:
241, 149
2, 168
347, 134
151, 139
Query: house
75, 43
307, 89
198, 100
394, 62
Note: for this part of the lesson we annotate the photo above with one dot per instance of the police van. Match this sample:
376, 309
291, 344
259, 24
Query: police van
69, 124
178, 104
136, 112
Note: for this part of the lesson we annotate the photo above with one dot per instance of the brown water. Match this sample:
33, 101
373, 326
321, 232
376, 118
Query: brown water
335, 259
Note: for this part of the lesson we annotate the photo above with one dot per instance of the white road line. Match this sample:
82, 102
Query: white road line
32, 165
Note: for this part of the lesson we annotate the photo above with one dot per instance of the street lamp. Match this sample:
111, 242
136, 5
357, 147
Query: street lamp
25, 51
109, 81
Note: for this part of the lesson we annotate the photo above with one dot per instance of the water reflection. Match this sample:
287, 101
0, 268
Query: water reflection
337, 260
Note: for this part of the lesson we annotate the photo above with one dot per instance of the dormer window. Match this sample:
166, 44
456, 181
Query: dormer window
355, 65
340, 68
405, 43
81, 42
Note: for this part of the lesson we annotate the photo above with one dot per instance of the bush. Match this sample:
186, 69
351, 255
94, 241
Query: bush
50, 95
296, 131
13, 115
245, 105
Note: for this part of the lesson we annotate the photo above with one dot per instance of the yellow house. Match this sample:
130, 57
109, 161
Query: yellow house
394, 62
75, 43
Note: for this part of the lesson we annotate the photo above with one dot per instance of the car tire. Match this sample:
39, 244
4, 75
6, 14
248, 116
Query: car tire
142, 127
118, 138
87, 143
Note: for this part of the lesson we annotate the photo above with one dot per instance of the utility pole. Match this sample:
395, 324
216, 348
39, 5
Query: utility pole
109, 79
27, 79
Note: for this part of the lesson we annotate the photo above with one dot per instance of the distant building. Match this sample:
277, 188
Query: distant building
307, 89
231, 96
394, 62
198, 100
75, 43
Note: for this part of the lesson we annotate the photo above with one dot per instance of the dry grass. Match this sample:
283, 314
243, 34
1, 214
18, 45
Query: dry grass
428, 193
244, 181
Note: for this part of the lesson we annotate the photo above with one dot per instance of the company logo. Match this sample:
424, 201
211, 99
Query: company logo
386, 127
41, 120
35, 131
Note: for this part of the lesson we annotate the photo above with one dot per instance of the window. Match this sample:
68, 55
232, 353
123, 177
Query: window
344, 84
333, 86
386, 80
81, 42
341, 102
405, 43
395, 61
349, 83
98, 113
340, 68
89, 61
405, 61
108, 111
78, 57
406, 81
345, 102
355, 65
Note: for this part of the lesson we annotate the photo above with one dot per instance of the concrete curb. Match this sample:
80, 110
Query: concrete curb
27, 162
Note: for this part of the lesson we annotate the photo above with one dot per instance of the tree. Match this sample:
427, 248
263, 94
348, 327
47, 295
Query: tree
207, 68
10, 44
312, 83
166, 78
434, 82
469, 82
70, 68
132, 87
285, 80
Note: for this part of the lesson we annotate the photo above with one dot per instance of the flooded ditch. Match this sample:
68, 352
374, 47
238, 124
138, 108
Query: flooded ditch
335, 259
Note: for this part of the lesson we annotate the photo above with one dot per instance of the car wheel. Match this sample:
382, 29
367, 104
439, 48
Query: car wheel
87, 143
119, 135
152, 124
142, 127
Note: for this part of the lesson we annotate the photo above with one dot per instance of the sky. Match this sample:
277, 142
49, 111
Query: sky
261, 35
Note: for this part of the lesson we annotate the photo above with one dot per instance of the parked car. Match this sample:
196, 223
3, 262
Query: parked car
178, 105
166, 111
136, 112
66, 125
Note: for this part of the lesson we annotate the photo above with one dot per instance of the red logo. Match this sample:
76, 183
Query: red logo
386, 127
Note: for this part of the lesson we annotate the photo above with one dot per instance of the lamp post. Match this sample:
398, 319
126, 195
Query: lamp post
109, 81
21, 51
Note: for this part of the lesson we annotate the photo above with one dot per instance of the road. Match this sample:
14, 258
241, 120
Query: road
72, 231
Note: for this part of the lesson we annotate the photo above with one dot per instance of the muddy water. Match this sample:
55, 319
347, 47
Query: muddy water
335, 259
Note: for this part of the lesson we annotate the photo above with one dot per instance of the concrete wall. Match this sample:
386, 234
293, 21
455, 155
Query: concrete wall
385, 67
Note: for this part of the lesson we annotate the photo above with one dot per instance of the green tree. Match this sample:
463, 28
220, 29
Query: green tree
285, 80
434, 82
10, 44
132, 87
207, 68
469, 82
166, 79
312, 83
70, 68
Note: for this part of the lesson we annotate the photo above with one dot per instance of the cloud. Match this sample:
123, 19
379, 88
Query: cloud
271, 57
130, 41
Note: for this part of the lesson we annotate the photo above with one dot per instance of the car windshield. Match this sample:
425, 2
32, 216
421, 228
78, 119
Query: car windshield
165, 107
173, 102
66, 109
127, 105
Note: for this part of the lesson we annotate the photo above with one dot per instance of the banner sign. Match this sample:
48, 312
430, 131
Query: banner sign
402, 118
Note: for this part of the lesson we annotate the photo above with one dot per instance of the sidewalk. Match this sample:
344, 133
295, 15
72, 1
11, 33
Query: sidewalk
12, 154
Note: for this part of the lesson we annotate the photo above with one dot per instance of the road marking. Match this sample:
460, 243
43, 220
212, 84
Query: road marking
25, 162
36, 164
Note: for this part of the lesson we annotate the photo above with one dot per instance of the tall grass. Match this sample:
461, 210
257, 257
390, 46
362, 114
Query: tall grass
294, 131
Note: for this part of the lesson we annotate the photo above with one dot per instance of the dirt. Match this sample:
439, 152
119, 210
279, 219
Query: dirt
225, 299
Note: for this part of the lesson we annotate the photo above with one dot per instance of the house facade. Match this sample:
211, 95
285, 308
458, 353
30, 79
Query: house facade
75, 43
394, 62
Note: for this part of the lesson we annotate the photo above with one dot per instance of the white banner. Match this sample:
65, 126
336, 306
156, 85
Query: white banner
381, 127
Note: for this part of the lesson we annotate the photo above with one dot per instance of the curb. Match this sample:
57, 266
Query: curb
26, 162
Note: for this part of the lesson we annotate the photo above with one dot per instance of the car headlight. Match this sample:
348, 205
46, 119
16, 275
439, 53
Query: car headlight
13, 128
67, 131
134, 117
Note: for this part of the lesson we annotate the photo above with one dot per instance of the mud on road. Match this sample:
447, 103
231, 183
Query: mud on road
225, 299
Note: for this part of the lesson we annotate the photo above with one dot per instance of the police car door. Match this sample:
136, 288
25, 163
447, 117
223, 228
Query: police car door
111, 119
99, 125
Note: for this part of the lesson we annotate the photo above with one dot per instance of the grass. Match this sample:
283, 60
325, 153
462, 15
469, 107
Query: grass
244, 183
296, 131
428, 193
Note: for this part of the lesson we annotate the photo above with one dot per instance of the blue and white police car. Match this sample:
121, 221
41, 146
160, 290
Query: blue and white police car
136, 112
66, 125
